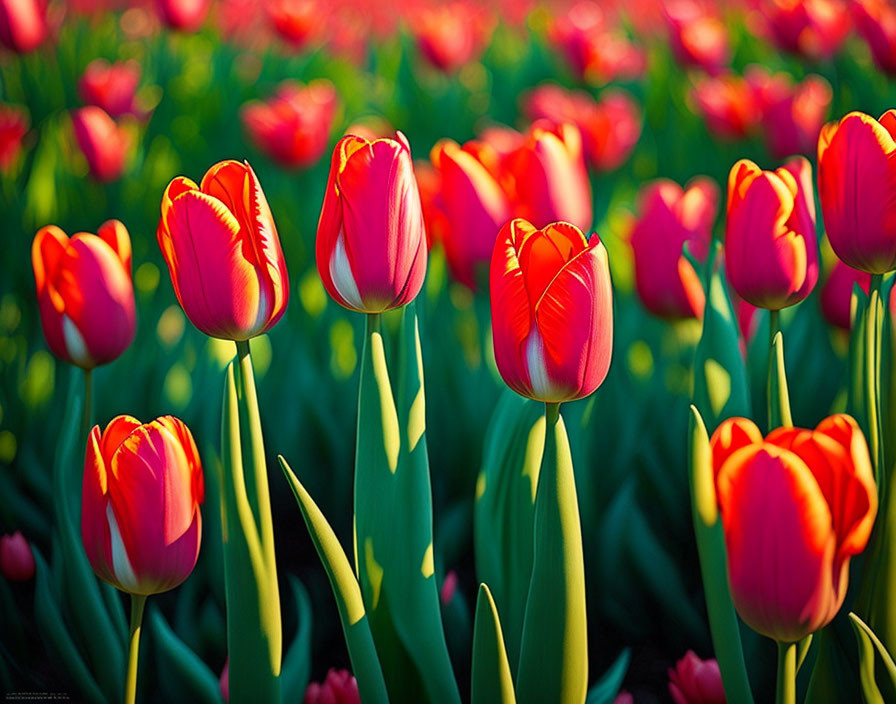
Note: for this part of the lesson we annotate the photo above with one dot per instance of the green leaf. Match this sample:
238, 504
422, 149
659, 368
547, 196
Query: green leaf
868, 642
491, 680
606, 689
714, 565
297, 663
349, 602
193, 677
554, 651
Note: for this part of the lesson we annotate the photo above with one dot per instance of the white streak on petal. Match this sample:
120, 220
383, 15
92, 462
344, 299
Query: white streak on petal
538, 374
121, 565
263, 310
341, 274
74, 343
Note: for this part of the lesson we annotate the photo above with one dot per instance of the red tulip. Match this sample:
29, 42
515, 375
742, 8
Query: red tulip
110, 86
813, 28
340, 687
610, 127
103, 143
698, 38
857, 188
23, 24
771, 254
552, 310
451, 35
224, 681
296, 21
140, 519
550, 177
836, 294
795, 507
85, 293
669, 218
183, 15
239, 286
16, 558
475, 204
696, 681
429, 183
792, 115
371, 246
727, 104
293, 126
449, 587
14, 122
875, 20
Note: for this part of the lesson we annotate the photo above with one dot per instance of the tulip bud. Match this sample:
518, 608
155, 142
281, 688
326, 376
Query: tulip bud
183, 15
474, 202
551, 179
223, 253
670, 218
371, 246
857, 188
103, 143
796, 506
110, 86
552, 310
293, 126
14, 123
140, 519
23, 24
696, 681
340, 687
771, 256
16, 558
85, 293
836, 294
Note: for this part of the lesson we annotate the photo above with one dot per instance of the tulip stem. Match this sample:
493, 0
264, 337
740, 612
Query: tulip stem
786, 689
87, 410
777, 395
872, 378
138, 601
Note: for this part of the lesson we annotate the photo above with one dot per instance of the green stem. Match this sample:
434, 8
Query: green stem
785, 692
138, 601
872, 379
774, 325
87, 410
777, 395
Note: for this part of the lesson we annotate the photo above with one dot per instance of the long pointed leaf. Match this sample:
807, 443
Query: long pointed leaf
491, 679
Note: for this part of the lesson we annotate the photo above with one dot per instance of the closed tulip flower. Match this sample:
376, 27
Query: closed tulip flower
727, 104
110, 86
475, 204
697, 37
103, 142
371, 246
550, 177
16, 558
220, 242
14, 122
552, 310
183, 15
296, 21
796, 506
857, 188
340, 687
771, 255
670, 217
85, 293
813, 28
696, 681
140, 519
451, 35
875, 21
23, 24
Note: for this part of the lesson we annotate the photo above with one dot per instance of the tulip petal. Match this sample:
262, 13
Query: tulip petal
115, 433
543, 254
47, 251
732, 435
115, 234
94, 500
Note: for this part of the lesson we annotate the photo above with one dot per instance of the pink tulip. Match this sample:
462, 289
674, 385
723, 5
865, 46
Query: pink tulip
340, 687
110, 86
451, 35
696, 681
224, 681
670, 218
16, 558
85, 293
103, 143
552, 310
293, 126
183, 15
140, 519
223, 253
875, 21
297, 21
14, 122
727, 104
449, 587
836, 294
698, 37
813, 28
550, 177
23, 24
771, 254
371, 245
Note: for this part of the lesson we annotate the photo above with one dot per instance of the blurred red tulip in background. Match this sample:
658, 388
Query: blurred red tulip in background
23, 24
14, 123
16, 558
110, 86
103, 142
696, 681
836, 294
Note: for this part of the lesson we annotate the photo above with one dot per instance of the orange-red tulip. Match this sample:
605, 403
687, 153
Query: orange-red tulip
669, 218
220, 242
183, 15
23, 24
85, 293
296, 21
371, 245
16, 558
14, 122
110, 86
795, 507
771, 255
293, 126
727, 104
429, 183
813, 28
475, 204
550, 177
836, 294
875, 20
696, 681
552, 310
857, 188
140, 519
103, 142
451, 35
698, 38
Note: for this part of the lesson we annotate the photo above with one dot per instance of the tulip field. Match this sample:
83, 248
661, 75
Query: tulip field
435, 352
